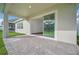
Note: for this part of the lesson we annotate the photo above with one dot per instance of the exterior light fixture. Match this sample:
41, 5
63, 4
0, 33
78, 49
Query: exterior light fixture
30, 6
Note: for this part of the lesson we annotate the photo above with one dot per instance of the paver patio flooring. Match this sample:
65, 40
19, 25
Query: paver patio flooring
32, 45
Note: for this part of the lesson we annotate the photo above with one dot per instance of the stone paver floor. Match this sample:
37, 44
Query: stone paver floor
32, 45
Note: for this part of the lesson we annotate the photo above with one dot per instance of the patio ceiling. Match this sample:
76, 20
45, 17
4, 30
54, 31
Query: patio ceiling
23, 10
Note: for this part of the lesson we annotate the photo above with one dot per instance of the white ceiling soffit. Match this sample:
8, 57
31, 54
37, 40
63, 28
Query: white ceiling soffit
23, 10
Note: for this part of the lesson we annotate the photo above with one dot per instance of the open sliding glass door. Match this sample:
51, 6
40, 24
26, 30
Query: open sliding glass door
49, 25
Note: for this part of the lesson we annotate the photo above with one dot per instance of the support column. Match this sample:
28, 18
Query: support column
5, 25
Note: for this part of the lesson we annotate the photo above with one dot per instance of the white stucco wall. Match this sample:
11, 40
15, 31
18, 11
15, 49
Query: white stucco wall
66, 24
36, 25
26, 27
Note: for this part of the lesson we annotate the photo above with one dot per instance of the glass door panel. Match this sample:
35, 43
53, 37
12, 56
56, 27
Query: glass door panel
49, 25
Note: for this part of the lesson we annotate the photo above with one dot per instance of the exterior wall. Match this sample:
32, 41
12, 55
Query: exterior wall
65, 23
36, 25
26, 27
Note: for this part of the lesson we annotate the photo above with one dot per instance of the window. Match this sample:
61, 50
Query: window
11, 26
20, 25
49, 25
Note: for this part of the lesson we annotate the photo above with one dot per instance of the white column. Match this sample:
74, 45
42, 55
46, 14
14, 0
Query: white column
5, 26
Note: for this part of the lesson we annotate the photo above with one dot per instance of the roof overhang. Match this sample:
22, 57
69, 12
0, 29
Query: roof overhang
23, 10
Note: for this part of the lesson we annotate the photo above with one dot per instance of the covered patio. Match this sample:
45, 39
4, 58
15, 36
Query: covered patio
35, 45
64, 42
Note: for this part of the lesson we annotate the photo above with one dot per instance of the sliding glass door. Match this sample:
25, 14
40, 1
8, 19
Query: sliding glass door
49, 25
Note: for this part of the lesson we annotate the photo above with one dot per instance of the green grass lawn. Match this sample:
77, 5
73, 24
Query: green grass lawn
78, 40
3, 50
11, 34
49, 34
